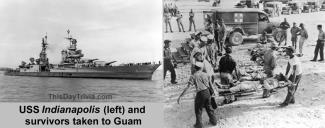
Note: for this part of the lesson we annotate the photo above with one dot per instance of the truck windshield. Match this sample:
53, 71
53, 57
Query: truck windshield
292, 4
311, 3
270, 5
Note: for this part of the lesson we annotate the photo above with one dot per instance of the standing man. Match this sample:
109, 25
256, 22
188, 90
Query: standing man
203, 48
278, 10
294, 73
168, 64
294, 35
207, 67
216, 31
170, 8
320, 44
284, 26
191, 19
211, 49
202, 83
303, 37
175, 10
270, 61
227, 65
167, 17
179, 17
196, 48
208, 23
222, 36
165, 8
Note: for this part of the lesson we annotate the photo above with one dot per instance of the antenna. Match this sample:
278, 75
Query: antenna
68, 31
45, 37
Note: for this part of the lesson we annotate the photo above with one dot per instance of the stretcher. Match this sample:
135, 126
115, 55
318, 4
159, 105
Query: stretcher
229, 95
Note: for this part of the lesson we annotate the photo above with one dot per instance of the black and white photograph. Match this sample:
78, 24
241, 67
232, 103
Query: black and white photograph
92, 51
176, 63
244, 63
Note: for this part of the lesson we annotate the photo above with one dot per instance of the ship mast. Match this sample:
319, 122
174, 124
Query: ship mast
44, 61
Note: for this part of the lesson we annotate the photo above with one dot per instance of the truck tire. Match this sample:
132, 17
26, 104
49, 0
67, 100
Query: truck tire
236, 38
279, 36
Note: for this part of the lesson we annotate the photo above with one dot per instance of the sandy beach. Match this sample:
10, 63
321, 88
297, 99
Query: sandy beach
253, 111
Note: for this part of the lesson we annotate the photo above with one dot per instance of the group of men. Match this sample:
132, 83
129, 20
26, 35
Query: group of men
170, 8
168, 16
203, 74
302, 32
209, 45
204, 65
295, 32
202, 79
205, 49
293, 71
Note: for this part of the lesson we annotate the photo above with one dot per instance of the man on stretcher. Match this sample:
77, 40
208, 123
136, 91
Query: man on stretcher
267, 84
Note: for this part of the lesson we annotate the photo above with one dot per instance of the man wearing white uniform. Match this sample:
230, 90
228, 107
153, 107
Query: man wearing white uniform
294, 73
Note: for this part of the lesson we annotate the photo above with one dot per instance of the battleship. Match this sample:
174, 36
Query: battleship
73, 65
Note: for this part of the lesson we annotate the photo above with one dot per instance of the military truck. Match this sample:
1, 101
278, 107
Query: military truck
322, 6
248, 3
311, 6
296, 6
273, 8
242, 22
286, 10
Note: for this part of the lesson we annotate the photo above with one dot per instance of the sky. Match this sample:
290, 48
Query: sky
110, 30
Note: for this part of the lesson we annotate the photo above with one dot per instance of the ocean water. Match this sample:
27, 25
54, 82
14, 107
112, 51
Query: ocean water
52, 89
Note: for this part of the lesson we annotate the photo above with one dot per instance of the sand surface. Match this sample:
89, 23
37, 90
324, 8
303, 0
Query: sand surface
253, 111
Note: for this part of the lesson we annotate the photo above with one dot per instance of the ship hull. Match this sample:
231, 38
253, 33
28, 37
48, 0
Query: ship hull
136, 72
108, 75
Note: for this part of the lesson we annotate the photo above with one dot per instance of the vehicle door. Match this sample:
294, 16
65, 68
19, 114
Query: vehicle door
263, 22
247, 21
208, 17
